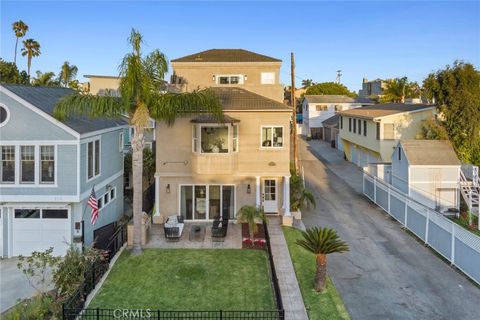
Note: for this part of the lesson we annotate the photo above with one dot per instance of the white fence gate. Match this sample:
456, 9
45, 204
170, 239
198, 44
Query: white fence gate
459, 246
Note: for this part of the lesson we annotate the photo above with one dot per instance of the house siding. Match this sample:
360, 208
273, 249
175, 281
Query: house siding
400, 170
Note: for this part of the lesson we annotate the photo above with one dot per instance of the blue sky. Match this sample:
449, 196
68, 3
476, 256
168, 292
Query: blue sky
364, 39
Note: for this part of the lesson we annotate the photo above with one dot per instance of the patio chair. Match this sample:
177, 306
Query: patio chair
173, 227
219, 228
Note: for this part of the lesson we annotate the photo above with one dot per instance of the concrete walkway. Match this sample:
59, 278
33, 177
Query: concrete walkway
287, 280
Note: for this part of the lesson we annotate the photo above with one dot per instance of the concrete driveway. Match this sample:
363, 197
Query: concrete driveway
387, 274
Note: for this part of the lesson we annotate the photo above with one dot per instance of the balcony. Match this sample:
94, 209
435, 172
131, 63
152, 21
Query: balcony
214, 163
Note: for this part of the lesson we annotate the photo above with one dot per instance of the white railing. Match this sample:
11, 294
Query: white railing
459, 246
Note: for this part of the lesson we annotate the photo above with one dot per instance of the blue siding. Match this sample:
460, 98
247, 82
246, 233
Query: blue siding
400, 170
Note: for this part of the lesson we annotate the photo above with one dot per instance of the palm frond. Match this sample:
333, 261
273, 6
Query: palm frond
322, 241
156, 66
169, 106
90, 106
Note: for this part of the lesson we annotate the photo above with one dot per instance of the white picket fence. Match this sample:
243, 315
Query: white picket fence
459, 246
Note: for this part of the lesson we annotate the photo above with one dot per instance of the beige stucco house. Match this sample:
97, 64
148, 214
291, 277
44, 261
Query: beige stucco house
206, 170
369, 134
101, 84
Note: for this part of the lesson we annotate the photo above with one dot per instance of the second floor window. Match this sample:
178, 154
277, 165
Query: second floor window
229, 79
93, 159
321, 107
349, 124
354, 126
8, 164
214, 139
27, 164
47, 164
272, 137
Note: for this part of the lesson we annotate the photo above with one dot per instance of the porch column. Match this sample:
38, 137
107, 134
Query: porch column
257, 189
157, 196
286, 195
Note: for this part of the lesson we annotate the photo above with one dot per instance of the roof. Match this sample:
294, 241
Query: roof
383, 110
100, 76
237, 99
226, 55
430, 152
45, 99
329, 98
332, 121
208, 118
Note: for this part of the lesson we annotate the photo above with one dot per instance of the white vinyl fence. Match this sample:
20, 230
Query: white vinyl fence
459, 246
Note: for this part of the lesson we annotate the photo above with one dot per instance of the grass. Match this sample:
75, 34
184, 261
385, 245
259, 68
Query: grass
185, 279
325, 305
464, 223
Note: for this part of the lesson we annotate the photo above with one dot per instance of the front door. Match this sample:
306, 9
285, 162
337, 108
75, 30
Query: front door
269, 196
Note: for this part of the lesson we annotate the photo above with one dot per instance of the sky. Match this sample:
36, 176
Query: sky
374, 39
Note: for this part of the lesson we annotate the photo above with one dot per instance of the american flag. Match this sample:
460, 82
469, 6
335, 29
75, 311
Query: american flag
92, 202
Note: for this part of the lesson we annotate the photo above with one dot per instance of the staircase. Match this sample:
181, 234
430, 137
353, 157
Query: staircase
470, 189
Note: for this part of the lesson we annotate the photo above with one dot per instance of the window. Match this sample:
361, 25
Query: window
27, 164
47, 164
54, 214
195, 203
235, 138
349, 124
272, 137
100, 203
388, 131
112, 194
194, 138
321, 107
93, 159
359, 126
378, 130
354, 125
4, 115
365, 128
267, 78
7, 167
121, 142
229, 79
341, 122
338, 108
27, 213
214, 139
399, 154
106, 198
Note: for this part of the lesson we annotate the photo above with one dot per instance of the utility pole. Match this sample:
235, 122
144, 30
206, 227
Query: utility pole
294, 114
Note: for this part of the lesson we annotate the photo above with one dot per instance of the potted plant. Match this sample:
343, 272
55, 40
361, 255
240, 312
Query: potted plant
251, 216
218, 144
300, 196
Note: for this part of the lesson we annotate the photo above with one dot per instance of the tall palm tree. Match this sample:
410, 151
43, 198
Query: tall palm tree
67, 73
31, 48
321, 242
251, 215
141, 77
398, 89
46, 79
20, 29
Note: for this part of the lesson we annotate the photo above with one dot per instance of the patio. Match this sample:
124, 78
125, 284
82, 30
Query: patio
196, 238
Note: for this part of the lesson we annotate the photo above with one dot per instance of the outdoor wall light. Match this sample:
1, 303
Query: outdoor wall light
213, 78
249, 189
245, 78
168, 188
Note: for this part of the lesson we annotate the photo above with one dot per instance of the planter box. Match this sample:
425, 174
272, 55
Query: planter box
259, 238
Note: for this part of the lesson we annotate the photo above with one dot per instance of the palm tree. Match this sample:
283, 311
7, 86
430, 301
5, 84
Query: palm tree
141, 77
321, 242
46, 79
31, 48
20, 29
299, 195
67, 73
307, 83
251, 215
398, 89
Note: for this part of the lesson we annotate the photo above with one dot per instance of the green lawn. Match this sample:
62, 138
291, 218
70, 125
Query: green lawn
325, 305
185, 279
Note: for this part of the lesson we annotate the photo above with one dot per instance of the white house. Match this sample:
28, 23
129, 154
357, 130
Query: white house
318, 108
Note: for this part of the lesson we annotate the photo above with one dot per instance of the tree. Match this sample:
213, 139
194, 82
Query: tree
46, 79
299, 195
141, 77
67, 73
456, 92
330, 88
307, 83
31, 48
433, 130
398, 89
321, 242
9, 73
20, 29
251, 215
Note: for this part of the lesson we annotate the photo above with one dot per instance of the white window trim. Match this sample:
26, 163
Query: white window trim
93, 162
272, 147
8, 115
36, 207
238, 138
110, 200
207, 197
121, 142
241, 79
199, 139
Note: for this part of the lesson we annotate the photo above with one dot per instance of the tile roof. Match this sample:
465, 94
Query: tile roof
383, 110
237, 99
430, 152
208, 118
45, 99
331, 98
226, 55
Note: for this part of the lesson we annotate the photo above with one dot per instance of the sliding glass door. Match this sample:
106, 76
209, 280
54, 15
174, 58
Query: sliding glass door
198, 204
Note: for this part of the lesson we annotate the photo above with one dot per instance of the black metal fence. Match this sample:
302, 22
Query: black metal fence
276, 287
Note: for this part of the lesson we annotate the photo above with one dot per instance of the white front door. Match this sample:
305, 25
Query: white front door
269, 196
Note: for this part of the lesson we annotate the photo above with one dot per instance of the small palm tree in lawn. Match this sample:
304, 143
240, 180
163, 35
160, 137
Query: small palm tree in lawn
20, 29
141, 98
321, 242
251, 215
68, 72
31, 48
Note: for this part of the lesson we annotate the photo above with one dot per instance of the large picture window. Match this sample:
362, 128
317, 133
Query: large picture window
272, 137
7, 168
47, 164
27, 164
214, 139
229, 79
93, 159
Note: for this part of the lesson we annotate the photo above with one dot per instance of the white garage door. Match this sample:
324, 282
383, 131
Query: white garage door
354, 157
40, 229
362, 158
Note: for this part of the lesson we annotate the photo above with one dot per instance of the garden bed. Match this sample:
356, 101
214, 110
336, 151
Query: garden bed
258, 241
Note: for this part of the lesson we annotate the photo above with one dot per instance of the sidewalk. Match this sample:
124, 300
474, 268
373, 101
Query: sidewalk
287, 280
333, 159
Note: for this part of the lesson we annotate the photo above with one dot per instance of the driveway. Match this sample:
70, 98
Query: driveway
387, 274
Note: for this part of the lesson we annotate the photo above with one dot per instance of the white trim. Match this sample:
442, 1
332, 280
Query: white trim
79, 147
102, 197
276, 192
94, 153
37, 198
8, 115
37, 142
98, 186
241, 78
39, 112
272, 127
87, 135
121, 141
286, 196
212, 125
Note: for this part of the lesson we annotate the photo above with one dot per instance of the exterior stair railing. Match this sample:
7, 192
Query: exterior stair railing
470, 191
